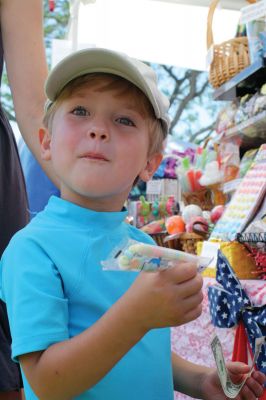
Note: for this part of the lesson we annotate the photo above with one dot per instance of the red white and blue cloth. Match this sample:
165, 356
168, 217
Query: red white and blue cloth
229, 304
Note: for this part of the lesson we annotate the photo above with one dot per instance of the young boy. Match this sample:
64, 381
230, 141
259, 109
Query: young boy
79, 331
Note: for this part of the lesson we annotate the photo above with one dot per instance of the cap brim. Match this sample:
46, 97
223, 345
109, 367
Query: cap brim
90, 61
95, 60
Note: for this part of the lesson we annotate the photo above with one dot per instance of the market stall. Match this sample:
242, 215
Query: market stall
212, 199
192, 341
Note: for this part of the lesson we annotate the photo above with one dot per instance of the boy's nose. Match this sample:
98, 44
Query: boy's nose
94, 134
98, 130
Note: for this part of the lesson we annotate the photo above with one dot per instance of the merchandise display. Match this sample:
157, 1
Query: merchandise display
235, 223
244, 116
245, 202
192, 340
227, 58
151, 215
254, 240
221, 203
240, 232
253, 17
229, 304
238, 256
209, 201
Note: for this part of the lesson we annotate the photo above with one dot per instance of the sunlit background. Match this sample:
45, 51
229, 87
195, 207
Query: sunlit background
163, 32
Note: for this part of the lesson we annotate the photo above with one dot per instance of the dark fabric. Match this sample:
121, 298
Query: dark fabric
13, 200
10, 378
13, 216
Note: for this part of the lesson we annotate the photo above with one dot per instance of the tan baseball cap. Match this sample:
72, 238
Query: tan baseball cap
93, 60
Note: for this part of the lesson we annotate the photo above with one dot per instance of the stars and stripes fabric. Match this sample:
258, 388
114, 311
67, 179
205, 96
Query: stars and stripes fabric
229, 304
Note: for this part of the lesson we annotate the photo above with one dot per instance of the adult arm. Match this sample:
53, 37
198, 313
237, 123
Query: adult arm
24, 55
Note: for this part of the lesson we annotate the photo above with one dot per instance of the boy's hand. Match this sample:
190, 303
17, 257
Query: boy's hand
170, 297
252, 389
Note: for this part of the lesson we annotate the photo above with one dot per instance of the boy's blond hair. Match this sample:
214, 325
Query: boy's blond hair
122, 87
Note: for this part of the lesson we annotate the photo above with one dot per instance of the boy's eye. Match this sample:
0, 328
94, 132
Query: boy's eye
80, 111
125, 121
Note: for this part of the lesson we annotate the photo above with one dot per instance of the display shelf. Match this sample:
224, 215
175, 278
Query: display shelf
252, 132
249, 80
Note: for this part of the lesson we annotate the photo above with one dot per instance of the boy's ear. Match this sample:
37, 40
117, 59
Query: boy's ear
152, 165
45, 141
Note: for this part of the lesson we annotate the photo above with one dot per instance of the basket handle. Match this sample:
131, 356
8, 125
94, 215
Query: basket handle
204, 234
212, 8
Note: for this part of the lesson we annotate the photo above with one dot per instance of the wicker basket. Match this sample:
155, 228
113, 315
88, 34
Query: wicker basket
189, 242
202, 198
171, 244
229, 57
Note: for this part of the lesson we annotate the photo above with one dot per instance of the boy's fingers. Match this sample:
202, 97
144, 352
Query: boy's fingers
182, 272
193, 314
247, 394
259, 376
255, 386
237, 368
191, 287
187, 290
192, 302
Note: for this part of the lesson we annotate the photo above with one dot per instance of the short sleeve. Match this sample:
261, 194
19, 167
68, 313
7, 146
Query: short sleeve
33, 291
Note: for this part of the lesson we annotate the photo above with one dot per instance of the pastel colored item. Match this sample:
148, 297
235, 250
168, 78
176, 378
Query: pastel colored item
147, 257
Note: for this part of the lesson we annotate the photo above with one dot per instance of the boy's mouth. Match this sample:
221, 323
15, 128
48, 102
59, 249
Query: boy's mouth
94, 156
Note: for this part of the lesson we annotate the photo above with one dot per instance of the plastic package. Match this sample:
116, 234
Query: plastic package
139, 256
247, 161
230, 156
255, 44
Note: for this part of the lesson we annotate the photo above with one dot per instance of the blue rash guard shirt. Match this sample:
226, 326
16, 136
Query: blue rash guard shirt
55, 288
